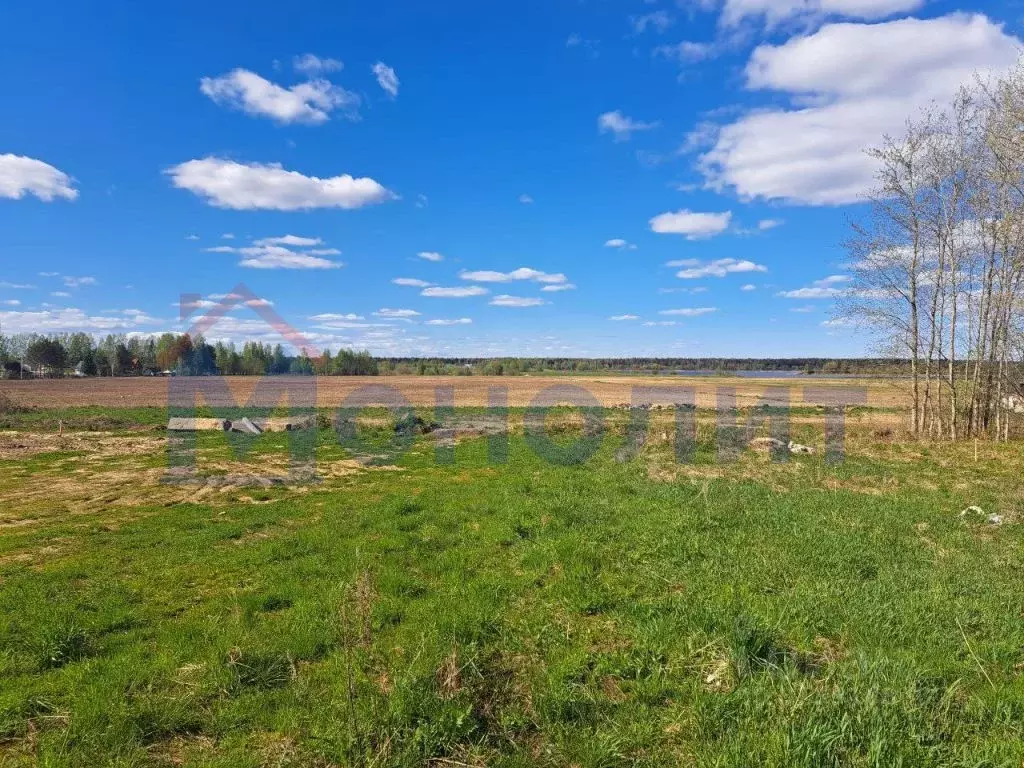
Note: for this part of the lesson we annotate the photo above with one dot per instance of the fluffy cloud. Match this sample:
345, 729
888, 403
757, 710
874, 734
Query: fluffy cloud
694, 269
820, 289
430, 256
386, 78
620, 318
523, 273
310, 103
765, 224
290, 240
776, 11
619, 243
397, 313
16, 286
309, 64
273, 257
270, 253
559, 287
621, 126
695, 226
78, 282
459, 292
25, 175
332, 316
411, 282
456, 321
525, 199
515, 301
748, 287
72, 320
691, 312
849, 84
255, 186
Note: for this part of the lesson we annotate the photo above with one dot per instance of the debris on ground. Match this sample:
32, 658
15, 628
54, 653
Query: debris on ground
281, 424
800, 449
414, 425
972, 510
178, 424
246, 427
767, 444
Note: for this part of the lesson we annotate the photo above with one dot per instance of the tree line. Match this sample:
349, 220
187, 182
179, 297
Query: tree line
938, 264
81, 354
179, 354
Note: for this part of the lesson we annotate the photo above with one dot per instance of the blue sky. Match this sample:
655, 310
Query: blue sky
688, 169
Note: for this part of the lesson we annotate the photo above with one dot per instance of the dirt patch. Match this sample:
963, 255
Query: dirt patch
20, 445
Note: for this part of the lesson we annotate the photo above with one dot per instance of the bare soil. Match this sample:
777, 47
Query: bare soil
470, 391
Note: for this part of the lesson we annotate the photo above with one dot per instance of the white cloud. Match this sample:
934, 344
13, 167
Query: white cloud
16, 286
11, 303
656, 323
748, 287
691, 312
290, 240
765, 224
457, 321
310, 64
386, 78
696, 270
261, 256
802, 310
310, 103
324, 252
775, 12
78, 282
191, 237
620, 318
412, 282
621, 126
25, 175
329, 316
515, 301
72, 320
430, 256
687, 51
227, 236
657, 20
618, 242
523, 273
398, 313
255, 186
560, 287
61, 294
273, 257
695, 226
459, 292
820, 289
849, 84
525, 199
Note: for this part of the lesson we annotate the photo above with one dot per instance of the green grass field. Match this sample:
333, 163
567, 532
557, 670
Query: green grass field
411, 613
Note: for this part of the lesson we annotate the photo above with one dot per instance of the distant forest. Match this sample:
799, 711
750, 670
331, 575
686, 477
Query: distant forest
80, 354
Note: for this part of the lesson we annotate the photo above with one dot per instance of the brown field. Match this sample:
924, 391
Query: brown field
469, 390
